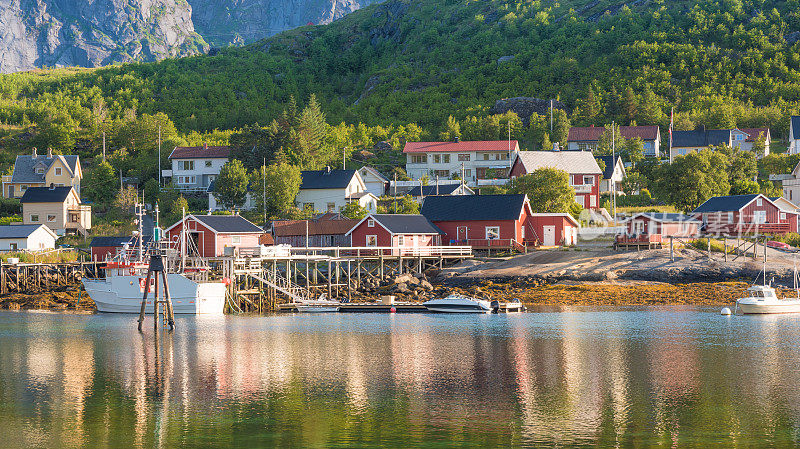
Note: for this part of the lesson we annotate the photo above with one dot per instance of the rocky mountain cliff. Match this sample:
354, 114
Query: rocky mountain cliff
223, 22
92, 33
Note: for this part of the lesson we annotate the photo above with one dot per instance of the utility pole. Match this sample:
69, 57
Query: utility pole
120, 181
344, 158
551, 118
159, 158
264, 185
104, 146
394, 195
462, 178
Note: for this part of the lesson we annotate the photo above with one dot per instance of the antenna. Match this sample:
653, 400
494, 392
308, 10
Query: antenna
264, 185
104, 146
159, 158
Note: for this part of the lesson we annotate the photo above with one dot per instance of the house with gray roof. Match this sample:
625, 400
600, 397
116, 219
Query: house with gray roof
329, 190
685, 142
58, 208
744, 214
40, 170
794, 134
583, 170
21, 237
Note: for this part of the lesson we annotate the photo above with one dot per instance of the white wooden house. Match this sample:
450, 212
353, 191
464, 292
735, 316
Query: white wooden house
27, 238
374, 181
330, 190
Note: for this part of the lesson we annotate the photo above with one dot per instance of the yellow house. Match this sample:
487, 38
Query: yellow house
58, 208
35, 170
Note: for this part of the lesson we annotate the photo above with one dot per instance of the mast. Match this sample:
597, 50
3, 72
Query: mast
183, 238
139, 217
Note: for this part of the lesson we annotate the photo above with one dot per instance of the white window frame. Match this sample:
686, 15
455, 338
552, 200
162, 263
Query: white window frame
58, 171
730, 217
23, 187
236, 239
463, 157
760, 217
592, 201
522, 232
759, 202
492, 230
51, 218
34, 218
783, 216
419, 158
400, 241
590, 178
445, 158
331, 207
371, 240
208, 163
370, 223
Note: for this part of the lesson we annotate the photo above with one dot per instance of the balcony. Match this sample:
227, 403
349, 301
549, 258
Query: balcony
166, 173
493, 182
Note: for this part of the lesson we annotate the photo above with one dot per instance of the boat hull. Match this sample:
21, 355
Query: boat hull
458, 305
760, 307
123, 294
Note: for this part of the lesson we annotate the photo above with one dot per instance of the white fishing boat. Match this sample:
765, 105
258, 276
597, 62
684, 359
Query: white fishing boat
458, 304
122, 288
762, 299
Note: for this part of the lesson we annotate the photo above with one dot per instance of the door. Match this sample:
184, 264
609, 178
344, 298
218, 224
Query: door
579, 200
760, 216
568, 236
194, 244
462, 234
549, 236
11, 191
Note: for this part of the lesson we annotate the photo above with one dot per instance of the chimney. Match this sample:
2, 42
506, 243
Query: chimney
52, 186
205, 145
49, 152
328, 169
34, 153
456, 139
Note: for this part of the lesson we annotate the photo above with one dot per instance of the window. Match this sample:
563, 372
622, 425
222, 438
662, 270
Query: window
437, 159
446, 158
308, 206
186, 165
758, 202
522, 232
760, 216
208, 163
13, 247
783, 216
442, 173
34, 217
51, 218
59, 184
730, 217
485, 156
331, 207
73, 218
581, 147
492, 232
468, 173
592, 201
39, 171
419, 159
372, 240
58, 171
23, 187
399, 240
370, 223
463, 158
588, 180
236, 239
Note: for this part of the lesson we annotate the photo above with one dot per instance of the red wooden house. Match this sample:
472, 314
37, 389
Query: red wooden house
403, 233
744, 214
555, 229
211, 234
584, 172
650, 229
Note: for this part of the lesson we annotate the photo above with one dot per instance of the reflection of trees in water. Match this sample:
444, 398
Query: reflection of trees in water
303, 381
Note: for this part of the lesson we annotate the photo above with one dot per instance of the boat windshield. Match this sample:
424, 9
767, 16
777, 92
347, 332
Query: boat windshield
757, 294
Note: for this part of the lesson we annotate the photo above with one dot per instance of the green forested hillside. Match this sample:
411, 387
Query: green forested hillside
715, 61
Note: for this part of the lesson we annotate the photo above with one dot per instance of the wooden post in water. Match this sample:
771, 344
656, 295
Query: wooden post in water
156, 268
725, 248
671, 250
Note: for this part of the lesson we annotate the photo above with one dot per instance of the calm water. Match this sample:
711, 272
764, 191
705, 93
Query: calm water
647, 377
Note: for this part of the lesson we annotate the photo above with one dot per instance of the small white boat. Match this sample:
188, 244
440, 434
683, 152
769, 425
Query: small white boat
320, 305
762, 299
458, 304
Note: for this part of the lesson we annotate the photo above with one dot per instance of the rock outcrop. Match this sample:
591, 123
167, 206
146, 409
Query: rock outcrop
93, 33
48, 33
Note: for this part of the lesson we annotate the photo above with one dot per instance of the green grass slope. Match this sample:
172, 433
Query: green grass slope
423, 60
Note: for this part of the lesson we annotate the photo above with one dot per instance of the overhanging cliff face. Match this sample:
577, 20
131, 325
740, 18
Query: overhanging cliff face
91, 33
223, 22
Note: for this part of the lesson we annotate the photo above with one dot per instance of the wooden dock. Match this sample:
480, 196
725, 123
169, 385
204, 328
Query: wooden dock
399, 308
43, 277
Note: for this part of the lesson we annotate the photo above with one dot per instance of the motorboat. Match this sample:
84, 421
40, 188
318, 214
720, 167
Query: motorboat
762, 299
319, 305
192, 292
456, 303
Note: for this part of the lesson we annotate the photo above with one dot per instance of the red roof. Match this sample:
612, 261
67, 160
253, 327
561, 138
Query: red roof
284, 228
200, 152
752, 133
593, 133
474, 145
